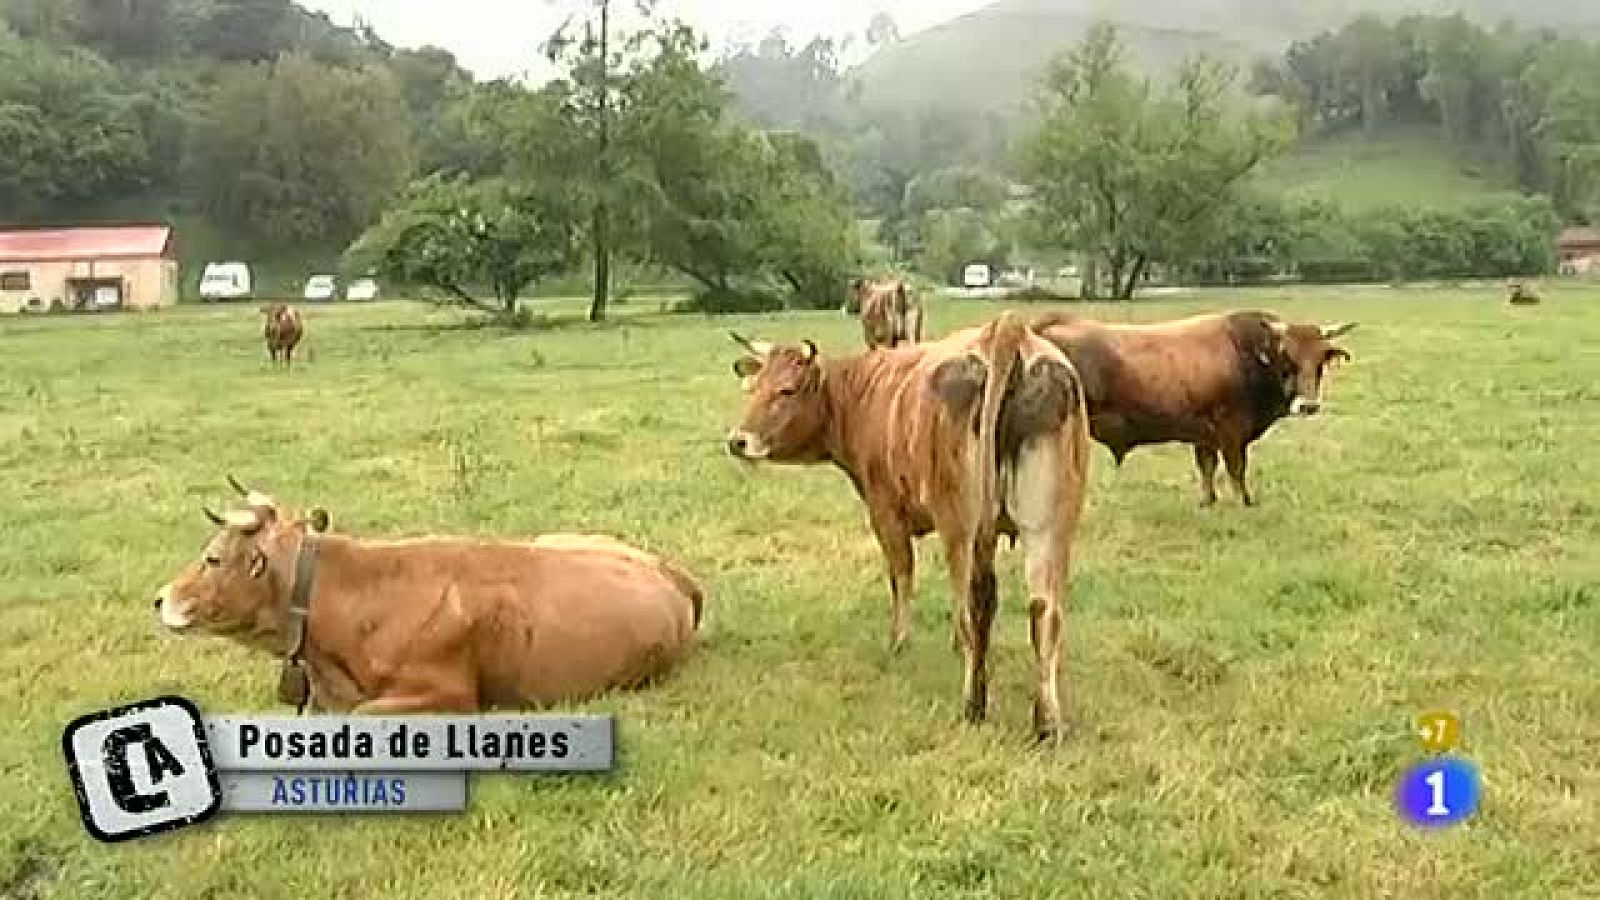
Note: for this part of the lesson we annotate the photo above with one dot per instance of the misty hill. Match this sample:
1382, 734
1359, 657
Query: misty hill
991, 59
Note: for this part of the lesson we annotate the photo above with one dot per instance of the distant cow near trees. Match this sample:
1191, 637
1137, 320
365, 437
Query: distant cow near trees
283, 330
891, 312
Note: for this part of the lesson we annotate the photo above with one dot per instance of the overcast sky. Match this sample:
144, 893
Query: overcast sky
496, 38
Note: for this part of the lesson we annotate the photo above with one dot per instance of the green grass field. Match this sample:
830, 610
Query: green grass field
1242, 680
1361, 173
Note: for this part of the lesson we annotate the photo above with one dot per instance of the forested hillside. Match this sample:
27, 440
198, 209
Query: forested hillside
992, 58
270, 121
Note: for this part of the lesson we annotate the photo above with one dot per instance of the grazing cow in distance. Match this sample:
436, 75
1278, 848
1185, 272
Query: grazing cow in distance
979, 434
1216, 381
1523, 293
434, 624
283, 331
891, 313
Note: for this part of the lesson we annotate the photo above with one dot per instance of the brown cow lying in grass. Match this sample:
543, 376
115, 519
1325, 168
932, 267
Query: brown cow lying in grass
980, 434
282, 331
435, 624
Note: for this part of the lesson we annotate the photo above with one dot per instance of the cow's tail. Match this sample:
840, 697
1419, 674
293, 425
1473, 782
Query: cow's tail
1005, 340
688, 585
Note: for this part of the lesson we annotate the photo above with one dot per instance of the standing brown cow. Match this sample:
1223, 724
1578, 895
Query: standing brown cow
891, 313
283, 331
436, 624
1215, 381
979, 434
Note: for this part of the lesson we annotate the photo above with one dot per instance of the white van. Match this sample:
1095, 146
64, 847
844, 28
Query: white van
362, 289
321, 288
225, 281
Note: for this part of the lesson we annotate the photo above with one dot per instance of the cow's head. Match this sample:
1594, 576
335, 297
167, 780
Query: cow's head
1304, 352
784, 412
852, 299
239, 587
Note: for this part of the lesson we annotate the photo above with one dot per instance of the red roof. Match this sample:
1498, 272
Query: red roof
67, 244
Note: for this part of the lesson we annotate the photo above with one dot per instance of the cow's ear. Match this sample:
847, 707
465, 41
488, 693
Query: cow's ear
319, 520
808, 350
746, 366
958, 383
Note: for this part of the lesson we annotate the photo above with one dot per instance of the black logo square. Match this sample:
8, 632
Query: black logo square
142, 769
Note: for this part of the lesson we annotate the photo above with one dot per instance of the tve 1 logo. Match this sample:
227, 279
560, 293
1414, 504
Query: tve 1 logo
142, 769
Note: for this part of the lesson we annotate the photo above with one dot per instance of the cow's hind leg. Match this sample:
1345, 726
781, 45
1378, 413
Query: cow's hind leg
1045, 498
1205, 460
1236, 456
972, 581
895, 541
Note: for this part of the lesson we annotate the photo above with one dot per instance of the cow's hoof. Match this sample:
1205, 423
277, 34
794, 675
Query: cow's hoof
1206, 502
897, 645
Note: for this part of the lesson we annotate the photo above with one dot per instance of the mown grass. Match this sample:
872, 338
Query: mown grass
1242, 680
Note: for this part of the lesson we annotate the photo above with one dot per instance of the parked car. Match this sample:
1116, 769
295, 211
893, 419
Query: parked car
321, 288
362, 289
225, 281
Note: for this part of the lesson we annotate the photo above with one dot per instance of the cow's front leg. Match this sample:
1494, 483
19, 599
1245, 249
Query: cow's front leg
1205, 460
1236, 456
895, 540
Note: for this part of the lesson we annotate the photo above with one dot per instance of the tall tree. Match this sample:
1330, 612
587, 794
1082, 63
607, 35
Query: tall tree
1131, 175
592, 49
297, 151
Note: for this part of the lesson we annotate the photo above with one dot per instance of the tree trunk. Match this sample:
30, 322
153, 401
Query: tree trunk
602, 212
507, 295
1089, 277
602, 263
1135, 272
1119, 264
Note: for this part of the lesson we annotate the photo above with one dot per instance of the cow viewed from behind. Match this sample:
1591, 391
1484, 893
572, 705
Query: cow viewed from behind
434, 624
891, 312
283, 330
979, 434
1216, 381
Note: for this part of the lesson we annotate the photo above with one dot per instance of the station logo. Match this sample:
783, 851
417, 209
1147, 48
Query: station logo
141, 769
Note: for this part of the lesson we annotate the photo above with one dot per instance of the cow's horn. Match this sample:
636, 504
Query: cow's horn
759, 348
215, 519
1333, 331
234, 482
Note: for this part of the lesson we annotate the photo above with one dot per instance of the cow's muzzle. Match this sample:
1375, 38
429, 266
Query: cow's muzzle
744, 445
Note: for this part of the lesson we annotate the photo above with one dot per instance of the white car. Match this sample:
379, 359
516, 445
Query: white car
362, 289
320, 287
225, 281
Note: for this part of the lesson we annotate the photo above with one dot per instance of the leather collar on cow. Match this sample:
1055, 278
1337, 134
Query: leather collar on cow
294, 686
